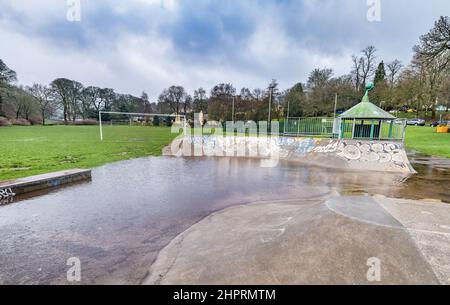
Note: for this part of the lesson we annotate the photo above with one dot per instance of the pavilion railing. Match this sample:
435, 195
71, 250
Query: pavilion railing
367, 129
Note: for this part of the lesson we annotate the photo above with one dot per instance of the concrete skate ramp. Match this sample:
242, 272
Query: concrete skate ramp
383, 156
312, 242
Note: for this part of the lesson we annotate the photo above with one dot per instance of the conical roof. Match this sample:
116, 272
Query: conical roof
366, 110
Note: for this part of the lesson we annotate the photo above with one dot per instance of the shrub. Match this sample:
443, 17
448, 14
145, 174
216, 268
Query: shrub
54, 123
34, 121
156, 120
85, 122
4, 122
168, 121
21, 122
90, 122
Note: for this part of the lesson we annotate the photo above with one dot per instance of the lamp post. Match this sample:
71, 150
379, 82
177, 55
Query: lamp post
270, 108
335, 106
287, 117
232, 111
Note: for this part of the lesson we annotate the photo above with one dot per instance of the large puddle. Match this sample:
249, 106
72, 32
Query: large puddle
117, 223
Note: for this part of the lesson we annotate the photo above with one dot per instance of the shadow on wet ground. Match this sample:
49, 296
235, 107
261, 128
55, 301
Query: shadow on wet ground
118, 223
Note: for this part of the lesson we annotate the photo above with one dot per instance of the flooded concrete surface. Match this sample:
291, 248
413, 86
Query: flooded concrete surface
118, 223
312, 242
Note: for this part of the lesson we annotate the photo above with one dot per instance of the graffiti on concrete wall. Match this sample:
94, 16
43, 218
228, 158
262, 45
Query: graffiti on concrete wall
264, 145
331, 147
231, 146
304, 146
298, 146
365, 151
355, 154
351, 151
6, 195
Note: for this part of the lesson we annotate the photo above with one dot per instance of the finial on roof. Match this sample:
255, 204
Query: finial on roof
369, 87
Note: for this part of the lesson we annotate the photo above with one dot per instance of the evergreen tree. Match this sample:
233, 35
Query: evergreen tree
380, 95
295, 99
168, 121
7, 76
380, 74
156, 121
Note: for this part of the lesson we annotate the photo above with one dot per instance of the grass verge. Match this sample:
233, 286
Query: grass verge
33, 150
427, 141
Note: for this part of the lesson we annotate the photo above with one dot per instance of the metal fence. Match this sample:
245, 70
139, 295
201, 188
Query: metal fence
345, 129
359, 129
322, 127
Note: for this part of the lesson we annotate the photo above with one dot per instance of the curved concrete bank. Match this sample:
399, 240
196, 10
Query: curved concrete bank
313, 242
346, 154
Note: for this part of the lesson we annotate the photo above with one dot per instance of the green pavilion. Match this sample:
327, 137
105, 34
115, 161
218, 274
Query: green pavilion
369, 122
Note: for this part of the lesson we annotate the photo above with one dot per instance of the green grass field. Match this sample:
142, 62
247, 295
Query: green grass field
35, 150
427, 141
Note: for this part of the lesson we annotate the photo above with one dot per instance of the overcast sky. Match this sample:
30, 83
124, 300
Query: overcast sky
149, 45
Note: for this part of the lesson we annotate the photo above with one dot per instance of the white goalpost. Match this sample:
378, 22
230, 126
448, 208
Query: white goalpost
179, 119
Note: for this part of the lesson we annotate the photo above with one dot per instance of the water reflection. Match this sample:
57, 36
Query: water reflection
117, 223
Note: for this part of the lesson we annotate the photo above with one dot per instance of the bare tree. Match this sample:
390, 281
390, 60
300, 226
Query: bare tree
12, 96
367, 63
444, 92
435, 45
187, 104
61, 89
27, 104
90, 100
7, 76
23, 102
107, 97
433, 54
319, 89
144, 104
356, 71
220, 106
200, 101
434, 77
394, 69
43, 96
75, 94
173, 98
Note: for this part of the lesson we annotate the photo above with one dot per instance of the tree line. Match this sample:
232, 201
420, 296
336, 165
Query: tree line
63, 98
423, 84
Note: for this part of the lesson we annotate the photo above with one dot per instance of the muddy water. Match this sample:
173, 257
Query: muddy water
117, 223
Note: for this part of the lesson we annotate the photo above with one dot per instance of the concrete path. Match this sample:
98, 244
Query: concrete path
313, 242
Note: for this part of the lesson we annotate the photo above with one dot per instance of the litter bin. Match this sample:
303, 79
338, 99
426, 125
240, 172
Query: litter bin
442, 129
